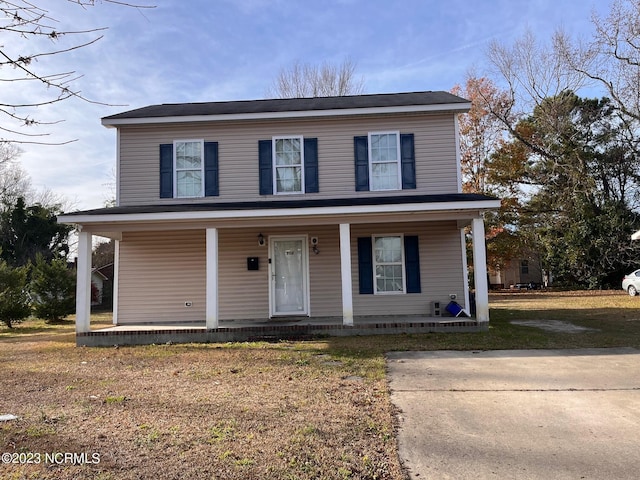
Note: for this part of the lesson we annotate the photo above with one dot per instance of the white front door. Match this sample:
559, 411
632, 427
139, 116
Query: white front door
289, 276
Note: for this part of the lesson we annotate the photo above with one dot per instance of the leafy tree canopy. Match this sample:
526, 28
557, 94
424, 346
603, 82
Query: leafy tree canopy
26, 231
577, 167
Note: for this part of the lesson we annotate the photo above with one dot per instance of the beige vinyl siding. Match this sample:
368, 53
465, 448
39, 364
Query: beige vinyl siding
159, 272
244, 294
441, 269
434, 134
325, 278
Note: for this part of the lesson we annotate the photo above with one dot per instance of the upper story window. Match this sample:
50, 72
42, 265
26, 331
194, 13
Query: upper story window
384, 164
384, 161
288, 165
189, 168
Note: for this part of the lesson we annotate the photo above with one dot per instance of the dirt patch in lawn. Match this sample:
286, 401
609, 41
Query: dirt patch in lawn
554, 326
235, 411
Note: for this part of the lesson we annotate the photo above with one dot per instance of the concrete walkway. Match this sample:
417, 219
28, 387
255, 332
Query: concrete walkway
524, 414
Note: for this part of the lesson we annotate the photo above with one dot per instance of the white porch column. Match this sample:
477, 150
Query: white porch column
83, 283
345, 271
480, 270
212, 278
465, 269
116, 281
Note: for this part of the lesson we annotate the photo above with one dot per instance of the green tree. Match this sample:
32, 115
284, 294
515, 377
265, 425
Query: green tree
53, 289
103, 254
14, 298
26, 231
579, 177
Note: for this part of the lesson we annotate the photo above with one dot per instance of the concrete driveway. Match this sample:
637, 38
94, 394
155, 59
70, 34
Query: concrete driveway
520, 414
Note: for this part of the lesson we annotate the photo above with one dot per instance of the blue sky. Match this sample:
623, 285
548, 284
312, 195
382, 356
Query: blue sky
210, 50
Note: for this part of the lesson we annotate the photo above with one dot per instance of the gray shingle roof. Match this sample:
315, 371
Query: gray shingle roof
290, 105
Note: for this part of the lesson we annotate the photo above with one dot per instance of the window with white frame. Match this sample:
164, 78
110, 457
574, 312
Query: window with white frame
189, 168
384, 161
388, 264
288, 165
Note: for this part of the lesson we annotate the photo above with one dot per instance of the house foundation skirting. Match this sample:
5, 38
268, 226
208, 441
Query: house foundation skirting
147, 335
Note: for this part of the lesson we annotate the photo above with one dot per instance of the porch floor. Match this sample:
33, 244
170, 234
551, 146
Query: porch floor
273, 330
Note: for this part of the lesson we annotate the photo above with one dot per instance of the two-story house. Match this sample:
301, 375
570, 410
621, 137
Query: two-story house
341, 208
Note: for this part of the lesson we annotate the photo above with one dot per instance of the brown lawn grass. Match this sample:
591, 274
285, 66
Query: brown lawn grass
290, 410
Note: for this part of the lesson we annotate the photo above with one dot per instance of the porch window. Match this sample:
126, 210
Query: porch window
524, 267
189, 168
388, 264
288, 165
384, 165
379, 257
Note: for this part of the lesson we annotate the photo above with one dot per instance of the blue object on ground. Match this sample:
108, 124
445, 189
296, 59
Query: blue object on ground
455, 309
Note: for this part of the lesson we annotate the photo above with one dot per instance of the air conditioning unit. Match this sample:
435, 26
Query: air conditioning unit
436, 310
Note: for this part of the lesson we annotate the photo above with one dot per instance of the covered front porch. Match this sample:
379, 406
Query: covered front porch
334, 274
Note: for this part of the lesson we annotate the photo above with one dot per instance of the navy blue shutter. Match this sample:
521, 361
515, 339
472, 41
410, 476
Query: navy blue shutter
365, 265
408, 161
412, 263
311, 183
166, 170
265, 165
361, 154
211, 188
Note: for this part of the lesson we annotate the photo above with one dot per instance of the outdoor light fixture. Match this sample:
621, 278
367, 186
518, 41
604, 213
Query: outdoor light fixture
261, 241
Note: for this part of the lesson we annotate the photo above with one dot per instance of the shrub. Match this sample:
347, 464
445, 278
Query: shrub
14, 298
53, 287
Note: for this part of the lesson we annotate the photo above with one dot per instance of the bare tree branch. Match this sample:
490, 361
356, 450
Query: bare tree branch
612, 57
326, 80
25, 20
533, 74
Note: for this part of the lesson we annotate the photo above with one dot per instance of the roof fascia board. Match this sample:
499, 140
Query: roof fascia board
278, 212
442, 107
464, 216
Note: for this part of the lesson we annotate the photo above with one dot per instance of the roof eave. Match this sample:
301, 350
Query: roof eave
84, 219
338, 112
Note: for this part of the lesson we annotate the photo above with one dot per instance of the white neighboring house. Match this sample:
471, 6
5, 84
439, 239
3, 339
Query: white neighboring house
97, 279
